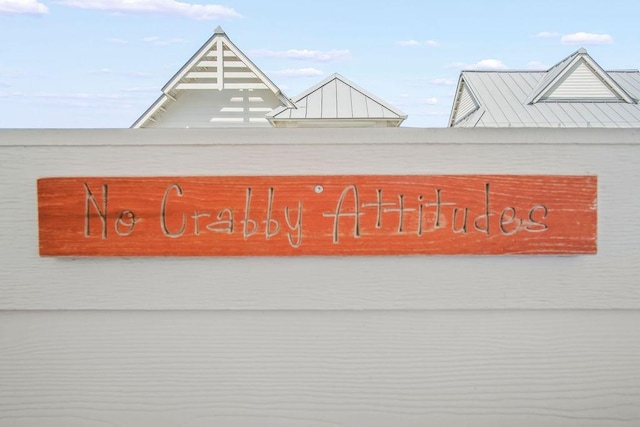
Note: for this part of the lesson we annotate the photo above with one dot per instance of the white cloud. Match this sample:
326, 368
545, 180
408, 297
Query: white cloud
408, 43
490, 64
547, 34
586, 38
82, 100
312, 55
201, 12
78, 95
443, 82
484, 64
138, 89
29, 7
458, 65
299, 72
13, 94
430, 101
537, 65
157, 41
117, 41
416, 43
123, 73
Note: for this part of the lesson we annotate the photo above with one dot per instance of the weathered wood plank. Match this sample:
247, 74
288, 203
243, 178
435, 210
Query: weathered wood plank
318, 215
455, 368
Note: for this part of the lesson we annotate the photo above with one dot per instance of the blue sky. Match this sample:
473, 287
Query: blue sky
101, 63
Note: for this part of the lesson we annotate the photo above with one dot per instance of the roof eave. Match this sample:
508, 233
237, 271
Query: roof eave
151, 111
319, 122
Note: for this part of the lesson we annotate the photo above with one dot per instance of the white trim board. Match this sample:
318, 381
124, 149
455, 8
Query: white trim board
315, 136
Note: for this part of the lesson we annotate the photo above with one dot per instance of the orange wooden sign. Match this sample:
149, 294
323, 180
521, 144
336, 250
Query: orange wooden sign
318, 215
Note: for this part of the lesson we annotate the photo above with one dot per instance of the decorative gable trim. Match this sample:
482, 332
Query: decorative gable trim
465, 103
579, 78
217, 65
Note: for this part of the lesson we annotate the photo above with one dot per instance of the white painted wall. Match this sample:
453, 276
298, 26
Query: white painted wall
227, 108
320, 341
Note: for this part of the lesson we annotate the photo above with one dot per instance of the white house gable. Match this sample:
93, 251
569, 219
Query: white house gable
465, 103
218, 87
580, 82
337, 102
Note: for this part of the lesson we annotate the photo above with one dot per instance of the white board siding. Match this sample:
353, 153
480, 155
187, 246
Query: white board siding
466, 104
606, 280
320, 369
580, 83
385, 341
196, 108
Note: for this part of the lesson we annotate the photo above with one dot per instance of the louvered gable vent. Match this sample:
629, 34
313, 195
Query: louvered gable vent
221, 68
218, 86
578, 78
580, 82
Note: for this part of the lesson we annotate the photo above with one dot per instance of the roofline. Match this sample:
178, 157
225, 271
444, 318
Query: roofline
187, 65
344, 80
456, 100
629, 70
349, 119
150, 111
503, 71
396, 120
166, 89
219, 33
580, 55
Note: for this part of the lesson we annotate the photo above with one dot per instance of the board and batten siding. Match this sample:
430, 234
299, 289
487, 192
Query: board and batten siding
320, 341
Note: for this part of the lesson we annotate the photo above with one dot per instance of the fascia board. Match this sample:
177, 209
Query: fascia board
150, 112
190, 63
604, 76
472, 94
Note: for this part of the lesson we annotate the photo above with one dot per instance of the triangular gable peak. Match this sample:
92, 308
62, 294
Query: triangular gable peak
578, 78
465, 103
337, 102
218, 86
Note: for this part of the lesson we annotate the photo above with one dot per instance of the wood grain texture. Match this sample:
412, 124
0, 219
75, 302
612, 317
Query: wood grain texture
453, 368
606, 280
318, 215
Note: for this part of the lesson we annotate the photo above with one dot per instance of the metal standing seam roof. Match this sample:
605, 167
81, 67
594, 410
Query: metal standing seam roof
337, 98
505, 99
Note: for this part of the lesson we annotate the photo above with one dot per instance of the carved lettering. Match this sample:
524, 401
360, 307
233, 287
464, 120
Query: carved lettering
102, 213
163, 213
224, 223
295, 227
485, 217
280, 216
339, 213
126, 219
533, 225
249, 226
270, 222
